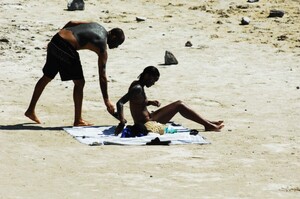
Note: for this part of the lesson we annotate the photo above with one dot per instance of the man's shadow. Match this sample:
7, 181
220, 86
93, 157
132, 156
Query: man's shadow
30, 126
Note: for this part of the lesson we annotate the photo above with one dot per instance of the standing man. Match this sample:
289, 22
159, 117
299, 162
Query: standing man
63, 58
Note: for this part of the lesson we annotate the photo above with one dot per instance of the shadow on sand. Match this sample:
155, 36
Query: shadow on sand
30, 126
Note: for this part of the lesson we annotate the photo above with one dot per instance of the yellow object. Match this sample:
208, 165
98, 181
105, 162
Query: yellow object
155, 127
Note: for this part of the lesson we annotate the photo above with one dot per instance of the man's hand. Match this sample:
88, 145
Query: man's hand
110, 107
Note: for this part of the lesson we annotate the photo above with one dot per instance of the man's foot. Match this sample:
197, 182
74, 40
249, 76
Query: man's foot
32, 116
82, 123
214, 127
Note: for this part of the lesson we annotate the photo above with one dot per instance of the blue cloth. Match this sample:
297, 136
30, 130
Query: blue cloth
127, 133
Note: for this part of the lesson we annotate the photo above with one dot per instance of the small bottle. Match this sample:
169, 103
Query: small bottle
170, 130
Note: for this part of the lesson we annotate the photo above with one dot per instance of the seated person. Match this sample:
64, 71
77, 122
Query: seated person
138, 103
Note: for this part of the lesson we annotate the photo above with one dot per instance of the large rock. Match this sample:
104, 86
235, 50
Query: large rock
170, 58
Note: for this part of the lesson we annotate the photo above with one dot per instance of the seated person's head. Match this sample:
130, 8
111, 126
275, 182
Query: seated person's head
149, 76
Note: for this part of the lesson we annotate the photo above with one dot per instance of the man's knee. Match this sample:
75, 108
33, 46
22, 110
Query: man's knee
180, 105
179, 102
79, 83
44, 80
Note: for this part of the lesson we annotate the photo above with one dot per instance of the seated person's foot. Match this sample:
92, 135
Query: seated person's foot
214, 127
82, 123
32, 116
217, 122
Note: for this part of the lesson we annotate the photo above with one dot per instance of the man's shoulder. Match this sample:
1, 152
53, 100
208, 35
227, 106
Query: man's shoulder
134, 83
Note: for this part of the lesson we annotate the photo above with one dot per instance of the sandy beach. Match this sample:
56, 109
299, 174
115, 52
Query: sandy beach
246, 75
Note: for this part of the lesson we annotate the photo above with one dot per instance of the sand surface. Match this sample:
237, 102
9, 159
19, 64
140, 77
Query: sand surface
248, 76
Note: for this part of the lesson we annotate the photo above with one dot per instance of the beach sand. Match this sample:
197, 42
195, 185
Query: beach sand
247, 76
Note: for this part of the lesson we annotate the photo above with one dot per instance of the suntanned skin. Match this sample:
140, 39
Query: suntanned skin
140, 114
78, 84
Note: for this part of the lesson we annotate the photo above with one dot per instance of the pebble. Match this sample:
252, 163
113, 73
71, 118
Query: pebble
276, 13
188, 44
245, 21
282, 37
140, 18
4, 40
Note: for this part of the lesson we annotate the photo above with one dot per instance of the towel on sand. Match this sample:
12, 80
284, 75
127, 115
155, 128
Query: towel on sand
104, 135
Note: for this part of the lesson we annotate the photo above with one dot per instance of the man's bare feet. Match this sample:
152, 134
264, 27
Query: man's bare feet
82, 123
214, 127
32, 116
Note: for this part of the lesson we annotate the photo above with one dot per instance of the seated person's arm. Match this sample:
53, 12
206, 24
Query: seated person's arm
153, 103
120, 114
120, 104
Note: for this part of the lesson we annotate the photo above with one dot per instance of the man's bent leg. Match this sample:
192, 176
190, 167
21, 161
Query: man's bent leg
38, 90
166, 113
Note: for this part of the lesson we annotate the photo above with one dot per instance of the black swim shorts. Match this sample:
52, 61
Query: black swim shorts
62, 57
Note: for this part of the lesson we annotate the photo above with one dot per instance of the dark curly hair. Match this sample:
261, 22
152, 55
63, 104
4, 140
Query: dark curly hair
150, 70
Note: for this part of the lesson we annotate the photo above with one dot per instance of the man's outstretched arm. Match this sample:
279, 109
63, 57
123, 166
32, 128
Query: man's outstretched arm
103, 81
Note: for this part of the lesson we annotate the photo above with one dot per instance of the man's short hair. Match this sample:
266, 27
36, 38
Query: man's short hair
118, 32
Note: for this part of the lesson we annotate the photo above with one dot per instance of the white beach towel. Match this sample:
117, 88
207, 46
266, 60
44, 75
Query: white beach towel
104, 135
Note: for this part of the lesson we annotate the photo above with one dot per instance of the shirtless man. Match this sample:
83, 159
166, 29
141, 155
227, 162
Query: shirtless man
62, 57
138, 103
